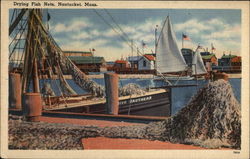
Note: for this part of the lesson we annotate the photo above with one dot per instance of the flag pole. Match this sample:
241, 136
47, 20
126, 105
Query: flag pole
155, 45
182, 40
155, 37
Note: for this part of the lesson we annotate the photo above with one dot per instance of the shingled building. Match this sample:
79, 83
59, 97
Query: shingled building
86, 62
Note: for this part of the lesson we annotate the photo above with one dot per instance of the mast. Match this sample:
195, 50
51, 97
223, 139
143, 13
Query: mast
155, 45
31, 54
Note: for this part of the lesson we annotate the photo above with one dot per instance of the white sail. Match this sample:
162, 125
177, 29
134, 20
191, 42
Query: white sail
198, 66
168, 56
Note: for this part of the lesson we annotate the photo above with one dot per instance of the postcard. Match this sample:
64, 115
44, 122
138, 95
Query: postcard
124, 79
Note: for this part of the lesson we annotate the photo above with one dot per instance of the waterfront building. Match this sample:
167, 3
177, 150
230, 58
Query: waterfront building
146, 62
133, 60
78, 53
209, 60
229, 63
86, 62
110, 64
89, 63
121, 64
188, 55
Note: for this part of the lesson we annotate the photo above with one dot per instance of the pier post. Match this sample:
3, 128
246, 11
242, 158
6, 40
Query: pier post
32, 106
15, 91
111, 88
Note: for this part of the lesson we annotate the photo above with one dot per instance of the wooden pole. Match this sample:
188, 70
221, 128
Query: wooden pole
111, 87
35, 78
15, 91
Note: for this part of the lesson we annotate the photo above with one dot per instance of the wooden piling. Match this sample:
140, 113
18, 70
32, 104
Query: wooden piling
15, 91
32, 106
111, 88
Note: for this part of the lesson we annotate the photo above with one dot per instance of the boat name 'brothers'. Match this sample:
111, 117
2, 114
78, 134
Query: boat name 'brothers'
135, 100
59, 4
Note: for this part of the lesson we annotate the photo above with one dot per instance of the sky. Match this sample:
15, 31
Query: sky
84, 29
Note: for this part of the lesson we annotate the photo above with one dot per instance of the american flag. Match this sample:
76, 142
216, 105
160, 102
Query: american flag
212, 46
143, 44
199, 46
185, 37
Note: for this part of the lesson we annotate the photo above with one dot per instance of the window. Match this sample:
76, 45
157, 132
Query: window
144, 63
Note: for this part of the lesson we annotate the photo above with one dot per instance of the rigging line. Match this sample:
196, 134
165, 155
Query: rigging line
124, 39
160, 33
35, 54
122, 31
132, 46
12, 17
113, 19
21, 28
49, 64
20, 35
57, 48
121, 36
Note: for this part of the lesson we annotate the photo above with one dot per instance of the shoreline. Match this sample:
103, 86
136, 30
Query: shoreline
128, 76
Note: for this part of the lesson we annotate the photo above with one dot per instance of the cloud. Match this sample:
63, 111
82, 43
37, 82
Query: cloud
228, 32
95, 32
78, 45
223, 35
82, 34
192, 25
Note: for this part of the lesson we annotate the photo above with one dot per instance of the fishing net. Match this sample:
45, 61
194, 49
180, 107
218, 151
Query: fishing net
211, 117
131, 89
211, 120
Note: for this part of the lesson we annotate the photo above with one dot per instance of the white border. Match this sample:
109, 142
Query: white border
244, 152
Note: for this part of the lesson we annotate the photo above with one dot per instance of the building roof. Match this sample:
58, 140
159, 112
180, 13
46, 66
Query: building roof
121, 61
82, 52
134, 58
228, 56
206, 57
206, 53
150, 57
86, 59
110, 63
186, 49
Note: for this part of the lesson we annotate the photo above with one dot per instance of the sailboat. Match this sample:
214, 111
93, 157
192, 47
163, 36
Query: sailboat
198, 68
47, 60
170, 63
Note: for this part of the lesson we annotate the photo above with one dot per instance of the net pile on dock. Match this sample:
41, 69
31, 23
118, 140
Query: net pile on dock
211, 120
131, 89
44, 136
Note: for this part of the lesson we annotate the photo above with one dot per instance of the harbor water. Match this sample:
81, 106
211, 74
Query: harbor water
180, 96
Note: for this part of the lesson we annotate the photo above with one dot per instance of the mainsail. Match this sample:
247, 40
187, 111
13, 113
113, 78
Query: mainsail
198, 67
168, 56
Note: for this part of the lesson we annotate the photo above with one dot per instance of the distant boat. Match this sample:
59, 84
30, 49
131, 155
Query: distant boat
198, 67
170, 63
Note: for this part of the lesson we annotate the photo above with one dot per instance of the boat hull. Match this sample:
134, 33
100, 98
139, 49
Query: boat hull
174, 78
147, 105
